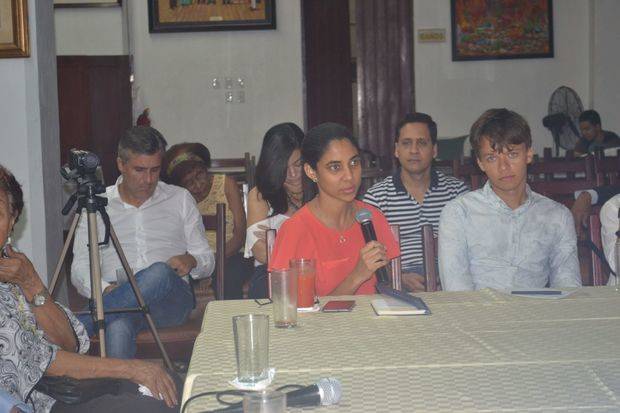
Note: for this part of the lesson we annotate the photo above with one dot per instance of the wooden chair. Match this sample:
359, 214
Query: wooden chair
599, 272
370, 176
445, 166
606, 168
242, 169
564, 168
467, 170
395, 263
429, 256
559, 178
270, 241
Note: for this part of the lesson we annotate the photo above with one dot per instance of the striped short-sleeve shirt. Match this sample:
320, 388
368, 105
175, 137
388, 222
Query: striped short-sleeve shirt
399, 207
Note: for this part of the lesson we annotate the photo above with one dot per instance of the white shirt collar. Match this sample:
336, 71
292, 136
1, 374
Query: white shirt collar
159, 195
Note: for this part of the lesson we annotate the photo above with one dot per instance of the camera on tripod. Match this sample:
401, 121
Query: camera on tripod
82, 166
82, 169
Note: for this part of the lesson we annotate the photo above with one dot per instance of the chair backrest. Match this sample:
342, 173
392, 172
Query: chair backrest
242, 169
606, 168
429, 254
564, 168
563, 190
451, 148
467, 170
370, 176
395, 263
270, 241
217, 222
598, 270
559, 178
245, 190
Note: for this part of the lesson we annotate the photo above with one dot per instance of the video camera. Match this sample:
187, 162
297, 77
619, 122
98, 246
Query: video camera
82, 169
82, 166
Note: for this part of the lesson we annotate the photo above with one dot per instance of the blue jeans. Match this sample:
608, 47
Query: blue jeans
167, 295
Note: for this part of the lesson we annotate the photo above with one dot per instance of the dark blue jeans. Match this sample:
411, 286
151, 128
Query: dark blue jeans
168, 297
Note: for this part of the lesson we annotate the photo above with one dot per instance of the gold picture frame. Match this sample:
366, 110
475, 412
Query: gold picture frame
14, 40
207, 15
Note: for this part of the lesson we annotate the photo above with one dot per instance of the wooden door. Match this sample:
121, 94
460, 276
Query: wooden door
94, 100
327, 62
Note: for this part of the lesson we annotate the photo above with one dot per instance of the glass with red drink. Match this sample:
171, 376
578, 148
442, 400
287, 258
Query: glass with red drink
306, 277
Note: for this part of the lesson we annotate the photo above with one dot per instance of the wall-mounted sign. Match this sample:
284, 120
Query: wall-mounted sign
431, 35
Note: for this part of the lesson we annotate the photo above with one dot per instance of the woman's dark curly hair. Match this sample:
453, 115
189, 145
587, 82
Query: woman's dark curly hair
13, 191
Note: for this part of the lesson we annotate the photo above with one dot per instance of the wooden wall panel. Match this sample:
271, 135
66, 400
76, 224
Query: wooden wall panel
327, 62
94, 95
384, 72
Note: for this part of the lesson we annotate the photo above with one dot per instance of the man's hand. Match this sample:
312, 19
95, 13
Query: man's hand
110, 287
155, 378
581, 211
413, 282
182, 264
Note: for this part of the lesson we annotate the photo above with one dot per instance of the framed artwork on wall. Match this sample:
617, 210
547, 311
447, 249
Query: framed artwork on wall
86, 3
205, 15
501, 29
14, 28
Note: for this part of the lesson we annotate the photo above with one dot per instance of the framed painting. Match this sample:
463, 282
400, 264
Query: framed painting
501, 29
14, 28
204, 15
86, 3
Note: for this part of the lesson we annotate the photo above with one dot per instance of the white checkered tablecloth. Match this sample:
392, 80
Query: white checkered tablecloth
478, 351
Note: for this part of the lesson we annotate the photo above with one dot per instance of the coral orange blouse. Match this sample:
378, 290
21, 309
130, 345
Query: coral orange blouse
336, 253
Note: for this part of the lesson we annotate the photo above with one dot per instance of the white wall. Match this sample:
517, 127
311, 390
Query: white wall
98, 31
29, 139
456, 93
174, 71
606, 64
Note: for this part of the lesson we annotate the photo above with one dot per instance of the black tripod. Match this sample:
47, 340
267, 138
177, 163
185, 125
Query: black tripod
86, 196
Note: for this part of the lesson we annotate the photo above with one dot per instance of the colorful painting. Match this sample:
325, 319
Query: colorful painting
501, 29
201, 15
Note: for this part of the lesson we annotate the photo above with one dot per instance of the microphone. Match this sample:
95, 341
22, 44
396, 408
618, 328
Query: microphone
364, 217
325, 392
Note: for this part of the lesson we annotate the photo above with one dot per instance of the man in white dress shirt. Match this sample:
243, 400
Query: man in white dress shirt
162, 235
609, 229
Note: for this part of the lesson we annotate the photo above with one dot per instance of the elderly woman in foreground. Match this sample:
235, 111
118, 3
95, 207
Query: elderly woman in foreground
39, 337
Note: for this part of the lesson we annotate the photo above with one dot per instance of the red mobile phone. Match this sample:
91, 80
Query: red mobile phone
338, 306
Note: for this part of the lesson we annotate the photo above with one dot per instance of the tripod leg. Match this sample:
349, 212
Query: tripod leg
63, 254
95, 279
134, 286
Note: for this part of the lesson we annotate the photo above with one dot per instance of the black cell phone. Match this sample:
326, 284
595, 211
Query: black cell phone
338, 306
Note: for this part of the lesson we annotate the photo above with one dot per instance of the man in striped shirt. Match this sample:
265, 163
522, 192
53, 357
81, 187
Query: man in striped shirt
416, 193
